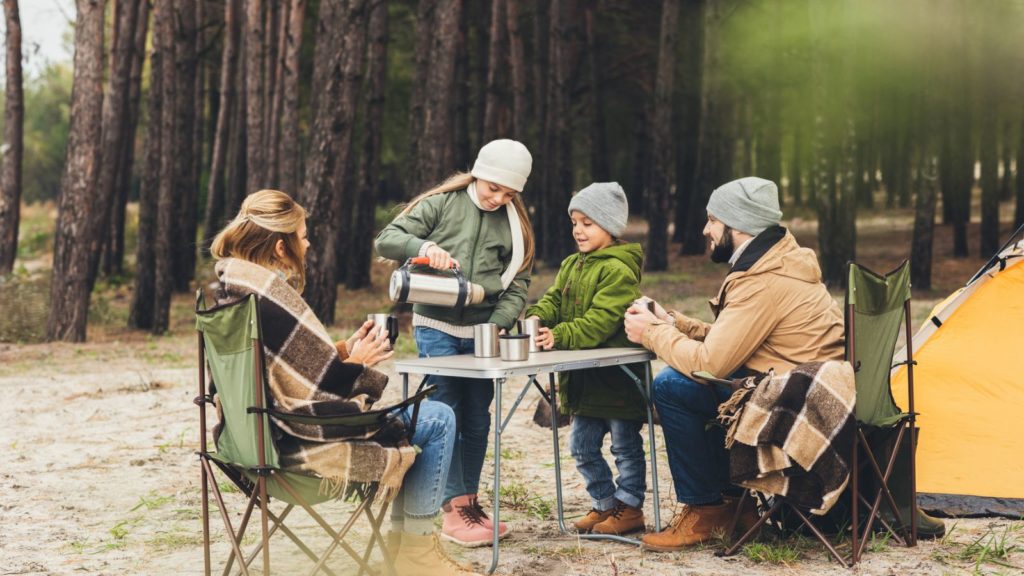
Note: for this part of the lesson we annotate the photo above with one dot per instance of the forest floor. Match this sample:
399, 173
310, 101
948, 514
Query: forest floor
102, 478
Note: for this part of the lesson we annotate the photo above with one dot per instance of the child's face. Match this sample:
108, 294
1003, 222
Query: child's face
588, 235
493, 196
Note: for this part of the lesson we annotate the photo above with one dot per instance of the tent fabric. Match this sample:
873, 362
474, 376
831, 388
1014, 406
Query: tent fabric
969, 393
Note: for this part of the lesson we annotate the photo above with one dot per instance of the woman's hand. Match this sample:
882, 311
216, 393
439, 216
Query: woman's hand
370, 350
358, 335
440, 259
545, 339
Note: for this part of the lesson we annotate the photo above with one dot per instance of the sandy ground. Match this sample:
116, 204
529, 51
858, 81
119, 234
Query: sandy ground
101, 478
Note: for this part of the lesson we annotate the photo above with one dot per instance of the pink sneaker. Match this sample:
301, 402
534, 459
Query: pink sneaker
502, 528
464, 523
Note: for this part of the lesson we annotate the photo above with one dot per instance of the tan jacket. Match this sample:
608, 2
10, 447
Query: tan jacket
776, 314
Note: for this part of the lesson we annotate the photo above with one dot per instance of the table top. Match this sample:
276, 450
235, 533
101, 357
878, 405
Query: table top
469, 366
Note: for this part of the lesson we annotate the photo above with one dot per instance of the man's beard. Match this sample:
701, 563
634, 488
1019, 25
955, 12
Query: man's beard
723, 250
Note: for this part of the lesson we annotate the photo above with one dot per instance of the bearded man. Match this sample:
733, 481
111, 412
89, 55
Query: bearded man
772, 311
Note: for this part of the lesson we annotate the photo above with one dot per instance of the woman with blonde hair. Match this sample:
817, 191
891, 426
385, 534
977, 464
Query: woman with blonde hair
262, 251
476, 221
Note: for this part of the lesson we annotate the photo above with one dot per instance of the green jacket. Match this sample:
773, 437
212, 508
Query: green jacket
585, 309
481, 241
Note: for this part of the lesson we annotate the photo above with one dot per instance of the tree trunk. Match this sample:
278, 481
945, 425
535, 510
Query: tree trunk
478, 59
461, 94
113, 258
495, 68
115, 117
336, 82
662, 150
289, 155
14, 142
254, 97
535, 192
1018, 215
688, 112
187, 106
276, 102
599, 168
989, 183
77, 208
216, 188
171, 135
796, 172
517, 70
558, 186
924, 223
425, 30
436, 156
142, 311
238, 145
368, 181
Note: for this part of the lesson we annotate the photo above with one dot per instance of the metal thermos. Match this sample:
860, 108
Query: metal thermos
450, 291
385, 322
531, 328
514, 348
485, 341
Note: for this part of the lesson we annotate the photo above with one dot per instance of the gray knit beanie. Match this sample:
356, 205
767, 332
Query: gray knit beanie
748, 205
604, 203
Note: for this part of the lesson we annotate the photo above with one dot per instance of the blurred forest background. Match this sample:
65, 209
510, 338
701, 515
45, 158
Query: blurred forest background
173, 110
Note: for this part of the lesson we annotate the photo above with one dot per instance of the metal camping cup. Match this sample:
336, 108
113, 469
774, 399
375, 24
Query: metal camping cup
485, 341
386, 322
448, 290
645, 302
514, 347
531, 328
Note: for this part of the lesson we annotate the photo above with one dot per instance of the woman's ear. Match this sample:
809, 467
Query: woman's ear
279, 250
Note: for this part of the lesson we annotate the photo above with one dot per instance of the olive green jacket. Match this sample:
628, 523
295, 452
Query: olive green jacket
481, 242
585, 309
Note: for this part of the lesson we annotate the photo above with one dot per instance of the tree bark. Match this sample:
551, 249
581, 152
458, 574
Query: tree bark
336, 82
688, 111
14, 142
924, 223
599, 168
517, 70
368, 181
114, 256
142, 310
69, 288
289, 155
254, 97
496, 56
171, 136
662, 149
558, 148
462, 94
277, 96
216, 187
425, 26
238, 146
188, 146
115, 117
436, 156
989, 183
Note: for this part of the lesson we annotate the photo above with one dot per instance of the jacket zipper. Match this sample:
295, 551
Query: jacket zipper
472, 256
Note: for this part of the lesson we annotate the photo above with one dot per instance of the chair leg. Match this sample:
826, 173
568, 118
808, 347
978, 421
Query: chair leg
821, 537
378, 538
731, 550
235, 537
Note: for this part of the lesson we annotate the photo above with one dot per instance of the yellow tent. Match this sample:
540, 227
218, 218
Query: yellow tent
969, 393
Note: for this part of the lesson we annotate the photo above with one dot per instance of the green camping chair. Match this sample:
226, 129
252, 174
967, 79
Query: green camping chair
230, 348
876, 305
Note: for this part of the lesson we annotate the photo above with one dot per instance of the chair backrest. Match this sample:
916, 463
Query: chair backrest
231, 340
874, 313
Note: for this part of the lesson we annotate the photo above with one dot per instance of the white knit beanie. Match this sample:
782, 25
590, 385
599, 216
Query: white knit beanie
504, 162
749, 204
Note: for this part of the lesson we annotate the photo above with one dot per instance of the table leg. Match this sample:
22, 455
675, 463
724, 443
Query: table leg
558, 457
654, 453
496, 516
405, 386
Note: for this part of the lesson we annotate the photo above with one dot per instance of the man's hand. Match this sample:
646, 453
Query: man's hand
638, 318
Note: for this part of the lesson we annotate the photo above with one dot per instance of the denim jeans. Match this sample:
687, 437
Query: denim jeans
422, 488
627, 447
470, 399
696, 452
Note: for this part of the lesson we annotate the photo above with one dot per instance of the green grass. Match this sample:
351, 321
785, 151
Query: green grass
784, 553
518, 497
992, 547
152, 501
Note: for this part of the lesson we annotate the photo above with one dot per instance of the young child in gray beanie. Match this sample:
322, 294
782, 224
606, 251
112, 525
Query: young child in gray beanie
584, 309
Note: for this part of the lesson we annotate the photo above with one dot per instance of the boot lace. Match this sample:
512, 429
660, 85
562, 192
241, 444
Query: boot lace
472, 513
619, 510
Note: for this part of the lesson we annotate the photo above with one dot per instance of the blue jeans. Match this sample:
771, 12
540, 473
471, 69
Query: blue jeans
423, 485
696, 452
627, 447
470, 399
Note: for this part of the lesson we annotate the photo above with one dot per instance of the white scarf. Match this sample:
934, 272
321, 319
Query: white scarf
518, 246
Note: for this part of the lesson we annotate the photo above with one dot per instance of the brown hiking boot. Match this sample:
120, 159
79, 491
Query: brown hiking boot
593, 518
622, 520
423, 556
690, 525
748, 515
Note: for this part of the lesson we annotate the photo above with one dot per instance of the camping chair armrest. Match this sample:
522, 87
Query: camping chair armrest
367, 418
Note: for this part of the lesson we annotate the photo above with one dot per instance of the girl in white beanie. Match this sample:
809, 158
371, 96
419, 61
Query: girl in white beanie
476, 221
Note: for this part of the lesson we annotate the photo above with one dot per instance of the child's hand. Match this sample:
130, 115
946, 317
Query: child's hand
440, 259
545, 339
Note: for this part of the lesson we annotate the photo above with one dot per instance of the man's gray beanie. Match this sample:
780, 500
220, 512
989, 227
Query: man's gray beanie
748, 205
604, 203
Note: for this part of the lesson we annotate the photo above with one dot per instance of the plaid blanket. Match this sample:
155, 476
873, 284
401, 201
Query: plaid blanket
306, 377
793, 435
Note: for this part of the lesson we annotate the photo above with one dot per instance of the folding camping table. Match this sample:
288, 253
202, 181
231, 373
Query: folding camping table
551, 362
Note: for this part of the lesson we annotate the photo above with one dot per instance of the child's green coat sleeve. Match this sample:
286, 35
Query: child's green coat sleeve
403, 237
605, 315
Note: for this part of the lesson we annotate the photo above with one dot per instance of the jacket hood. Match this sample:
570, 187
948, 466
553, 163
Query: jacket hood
787, 258
629, 253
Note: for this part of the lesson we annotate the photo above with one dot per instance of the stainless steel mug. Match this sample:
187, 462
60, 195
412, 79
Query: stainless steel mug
485, 341
386, 322
530, 327
514, 347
